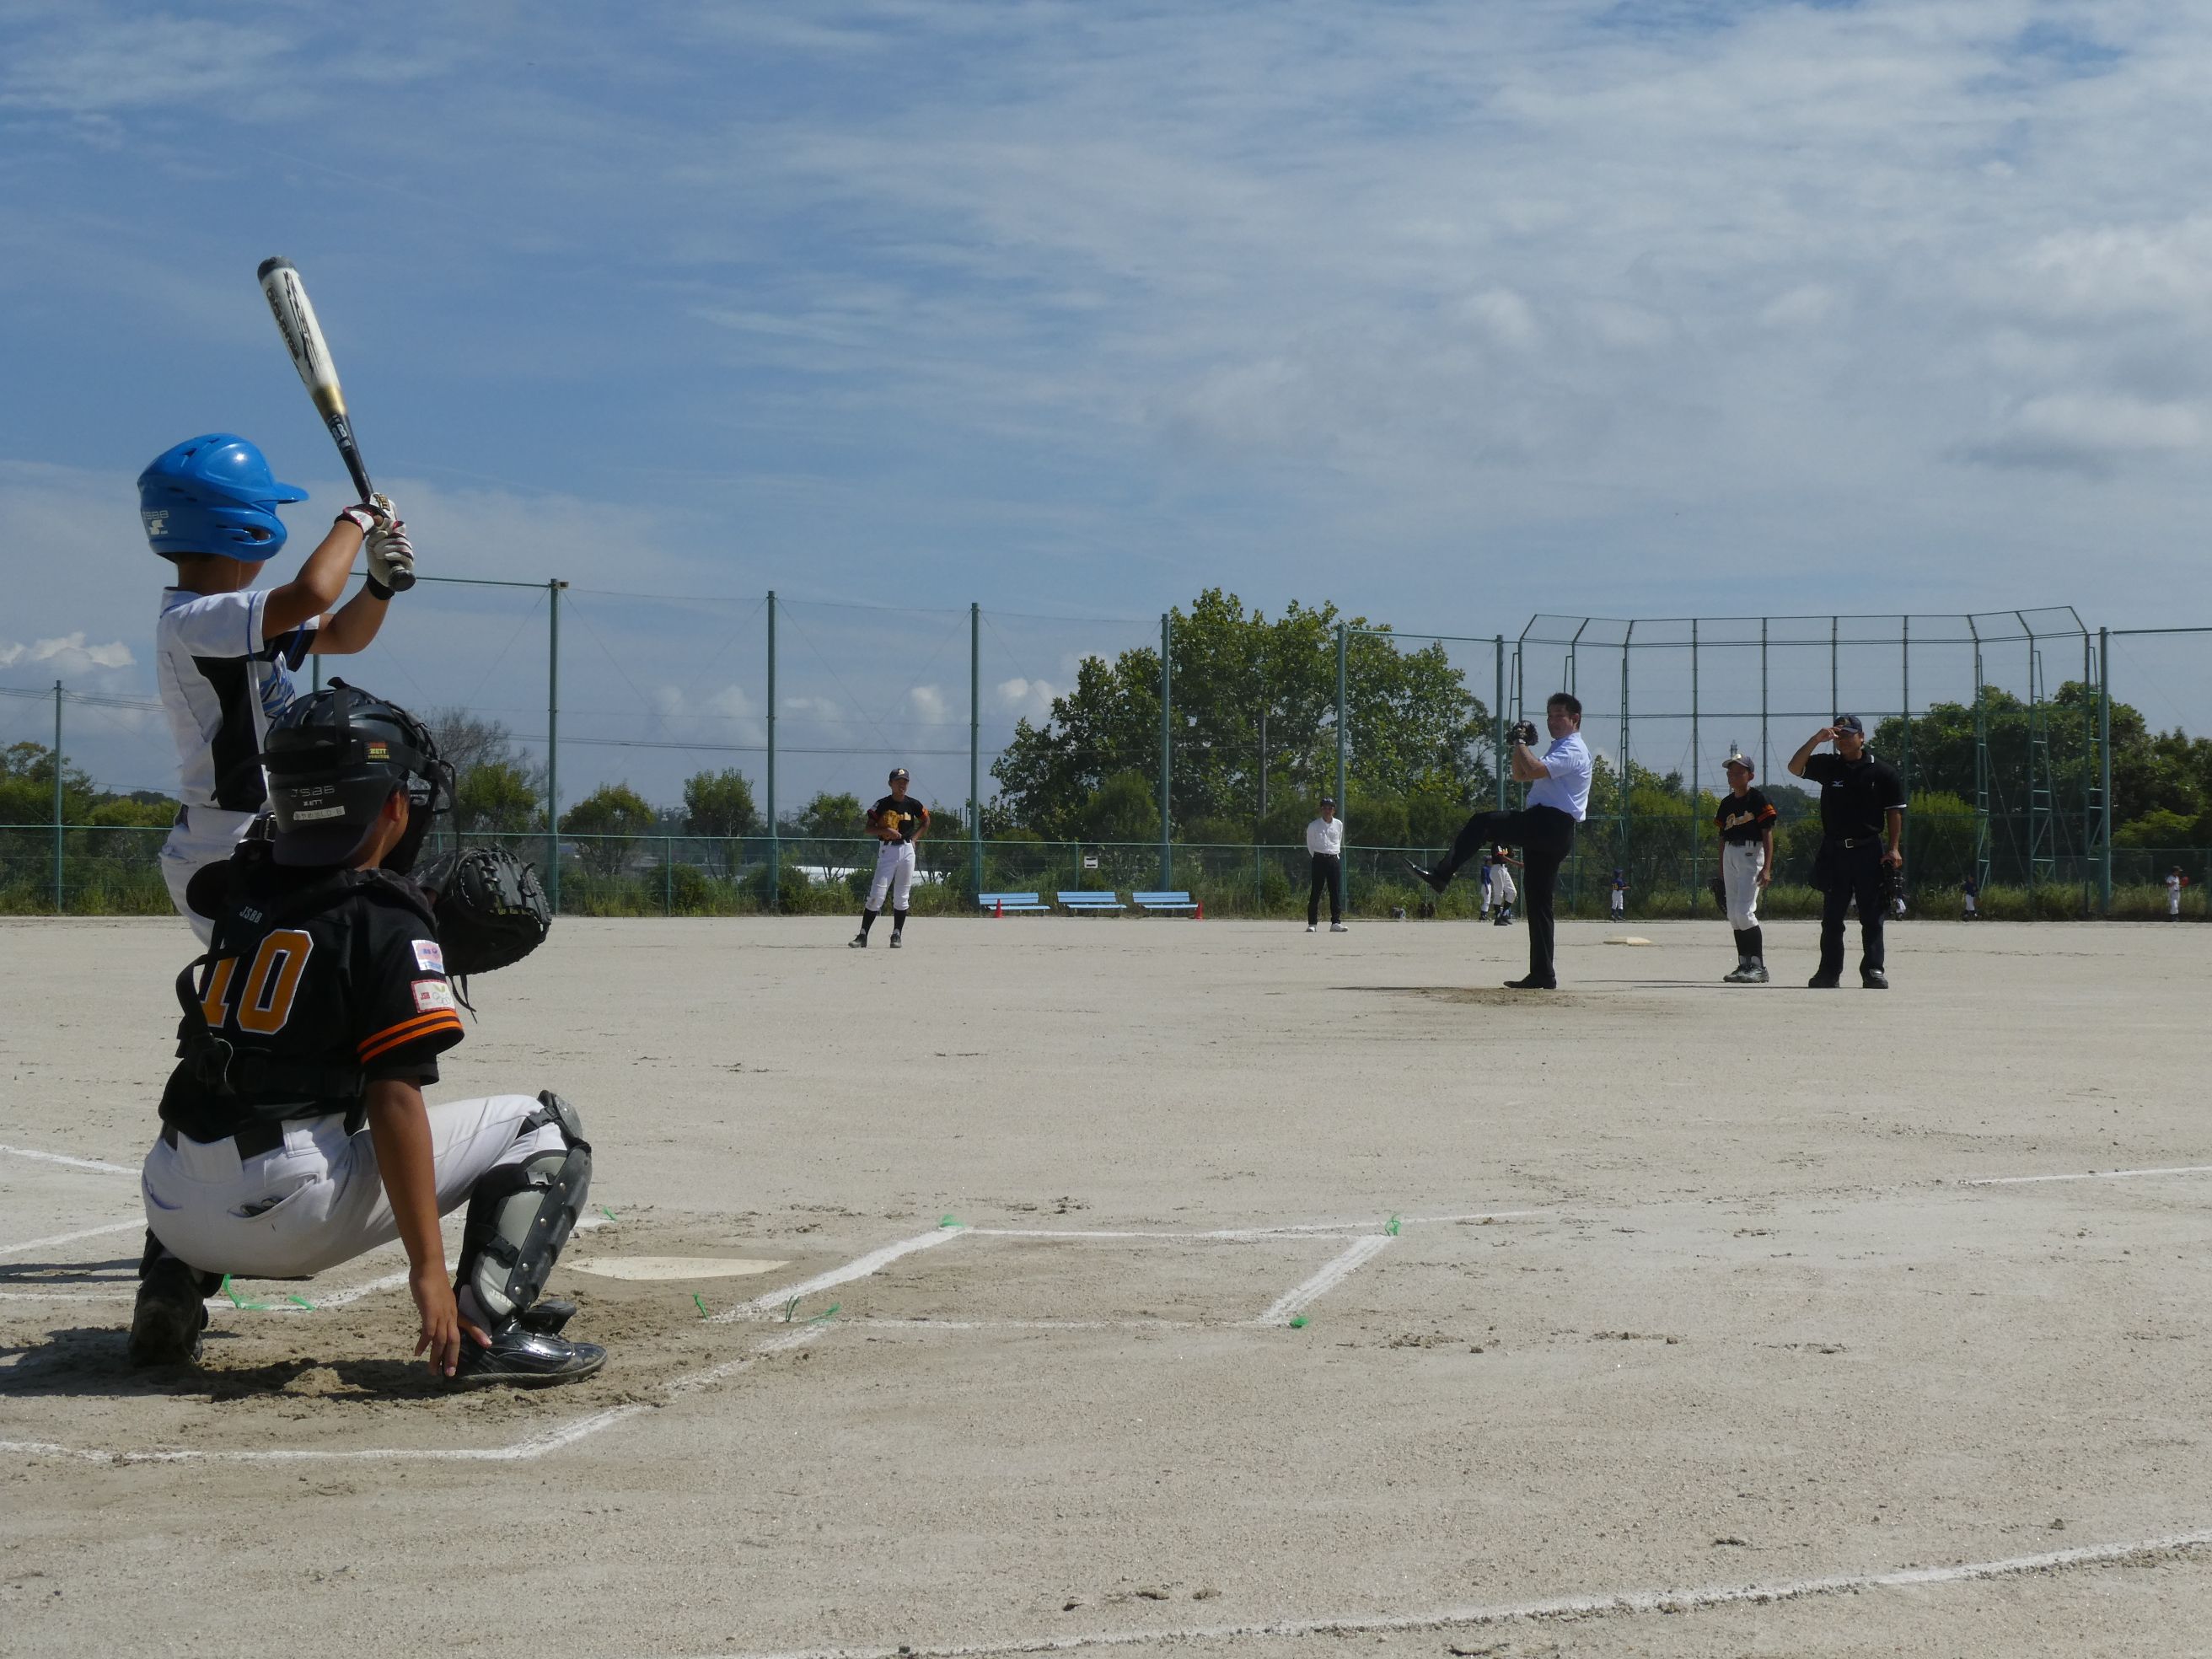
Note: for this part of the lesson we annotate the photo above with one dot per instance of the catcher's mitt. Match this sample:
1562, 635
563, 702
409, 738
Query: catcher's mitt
1719, 888
491, 908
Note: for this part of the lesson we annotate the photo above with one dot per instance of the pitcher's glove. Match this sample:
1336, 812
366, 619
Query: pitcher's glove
490, 907
1719, 888
1523, 732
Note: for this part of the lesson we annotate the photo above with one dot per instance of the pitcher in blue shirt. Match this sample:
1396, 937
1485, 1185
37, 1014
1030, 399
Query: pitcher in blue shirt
1543, 830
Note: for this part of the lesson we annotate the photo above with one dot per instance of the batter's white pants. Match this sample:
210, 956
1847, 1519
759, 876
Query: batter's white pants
202, 835
1501, 893
894, 874
1619, 901
1741, 863
318, 1200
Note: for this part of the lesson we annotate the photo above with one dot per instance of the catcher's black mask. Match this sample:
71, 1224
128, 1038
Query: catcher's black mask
333, 759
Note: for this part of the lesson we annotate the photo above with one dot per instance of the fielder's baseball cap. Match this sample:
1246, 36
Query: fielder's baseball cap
899, 774
1328, 800
1737, 757
1849, 723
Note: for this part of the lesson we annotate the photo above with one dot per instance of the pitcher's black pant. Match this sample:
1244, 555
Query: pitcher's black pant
1545, 836
1328, 872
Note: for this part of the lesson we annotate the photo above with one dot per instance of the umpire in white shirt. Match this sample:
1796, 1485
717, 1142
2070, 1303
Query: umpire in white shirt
1543, 830
1325, 841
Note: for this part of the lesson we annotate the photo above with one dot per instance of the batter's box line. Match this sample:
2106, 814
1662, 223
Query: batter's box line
1616, 1604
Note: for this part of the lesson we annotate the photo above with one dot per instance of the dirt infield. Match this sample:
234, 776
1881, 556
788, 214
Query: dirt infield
1202, 1285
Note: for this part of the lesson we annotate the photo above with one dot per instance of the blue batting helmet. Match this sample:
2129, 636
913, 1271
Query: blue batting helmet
214, 493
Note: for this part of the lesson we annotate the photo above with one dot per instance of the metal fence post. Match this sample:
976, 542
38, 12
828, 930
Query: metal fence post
1697, 777
1343, 711
58, 906
2105, 769
975, 746
553, 744
774, 893
1167, 748
1498, 721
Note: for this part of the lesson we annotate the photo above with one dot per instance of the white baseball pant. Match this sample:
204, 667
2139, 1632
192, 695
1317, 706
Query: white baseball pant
318, 1200
202, 835
894, 875
1501, 886
1741, 863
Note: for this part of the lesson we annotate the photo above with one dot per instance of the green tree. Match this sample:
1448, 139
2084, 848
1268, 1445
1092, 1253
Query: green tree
1412, 723
26, 786
719, 805
613, 809
498, 797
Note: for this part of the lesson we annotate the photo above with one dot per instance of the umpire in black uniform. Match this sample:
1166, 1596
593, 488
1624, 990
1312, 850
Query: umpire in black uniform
1861, 825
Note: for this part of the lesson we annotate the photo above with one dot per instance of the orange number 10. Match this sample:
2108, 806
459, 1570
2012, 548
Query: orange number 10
270, 984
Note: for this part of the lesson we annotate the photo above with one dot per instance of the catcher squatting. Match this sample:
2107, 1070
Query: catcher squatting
295, 1136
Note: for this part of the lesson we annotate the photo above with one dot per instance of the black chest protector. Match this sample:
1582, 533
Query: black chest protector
263, 1032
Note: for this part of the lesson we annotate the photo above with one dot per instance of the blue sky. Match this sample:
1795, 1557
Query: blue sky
1450, 314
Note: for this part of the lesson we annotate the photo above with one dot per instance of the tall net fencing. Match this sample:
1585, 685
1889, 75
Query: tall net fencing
713, 754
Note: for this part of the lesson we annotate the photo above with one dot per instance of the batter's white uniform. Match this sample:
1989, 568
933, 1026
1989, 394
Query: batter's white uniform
2173, 896
222, 687
318, 1200
894, 874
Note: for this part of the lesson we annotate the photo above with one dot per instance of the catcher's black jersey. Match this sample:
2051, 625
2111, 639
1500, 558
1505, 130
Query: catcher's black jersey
320, 983
912, 816
1746, 819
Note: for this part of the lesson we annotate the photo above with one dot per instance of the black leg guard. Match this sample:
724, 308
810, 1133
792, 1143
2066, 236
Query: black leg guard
521, 1214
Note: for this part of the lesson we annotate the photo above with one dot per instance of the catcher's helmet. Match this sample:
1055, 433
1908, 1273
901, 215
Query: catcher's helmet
333, 759
214, 493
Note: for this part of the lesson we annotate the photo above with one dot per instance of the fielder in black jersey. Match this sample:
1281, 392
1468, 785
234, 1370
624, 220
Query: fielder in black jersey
295, 1136
897, 821
1744, 823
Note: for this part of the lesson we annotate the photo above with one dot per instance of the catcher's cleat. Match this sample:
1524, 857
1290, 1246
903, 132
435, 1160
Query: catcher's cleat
896, 941
546, 1315
1875, 980
525, 1358
165, 1325
1824, 982
1436, 882
858, 942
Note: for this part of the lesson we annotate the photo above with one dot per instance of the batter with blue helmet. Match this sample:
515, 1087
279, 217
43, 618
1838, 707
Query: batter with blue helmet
225, 650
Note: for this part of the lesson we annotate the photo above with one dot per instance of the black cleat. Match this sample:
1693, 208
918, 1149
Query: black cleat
859, 942
1532, 983
1875, 980
1824, 982
1435, 883
526, 1359
546, 1315
895, 941
166, 1326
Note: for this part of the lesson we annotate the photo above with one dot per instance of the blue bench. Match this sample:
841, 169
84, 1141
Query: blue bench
1154, 903
1013, 904
1088, 903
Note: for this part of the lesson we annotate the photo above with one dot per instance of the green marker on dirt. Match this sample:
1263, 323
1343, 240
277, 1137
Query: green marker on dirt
238, 1301
1299, 1323
789, 1309
1390, 1227
948, 1221
701, 1301
301, 1300
605, 1211
826, 1314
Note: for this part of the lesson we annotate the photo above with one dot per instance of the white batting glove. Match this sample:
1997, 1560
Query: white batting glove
390, 560
364, 516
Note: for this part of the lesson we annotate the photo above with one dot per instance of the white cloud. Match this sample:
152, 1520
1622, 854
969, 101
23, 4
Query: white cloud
930, 706
1805, 305
66, 655
2091, 433
1030, 699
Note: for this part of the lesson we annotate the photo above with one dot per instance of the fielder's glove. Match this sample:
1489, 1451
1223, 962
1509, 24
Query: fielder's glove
1523, 732
1719, 888
490, 909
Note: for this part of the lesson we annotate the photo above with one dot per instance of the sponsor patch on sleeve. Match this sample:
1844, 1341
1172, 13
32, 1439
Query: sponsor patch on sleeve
431, 993
430, 956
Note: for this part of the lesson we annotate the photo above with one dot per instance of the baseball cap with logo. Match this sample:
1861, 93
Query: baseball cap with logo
1849, 723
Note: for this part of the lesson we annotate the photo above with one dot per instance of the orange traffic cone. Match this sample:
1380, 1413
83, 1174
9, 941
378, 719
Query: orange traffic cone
1201, 916
998, 907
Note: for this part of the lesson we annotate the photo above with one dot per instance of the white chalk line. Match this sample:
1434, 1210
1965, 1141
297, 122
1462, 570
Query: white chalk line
1338, 1267
2087, 1175
775, 1301
1688, 1600
99, 1164
136, 1226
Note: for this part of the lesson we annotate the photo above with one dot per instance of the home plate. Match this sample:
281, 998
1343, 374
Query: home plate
1628, 938
674, 1267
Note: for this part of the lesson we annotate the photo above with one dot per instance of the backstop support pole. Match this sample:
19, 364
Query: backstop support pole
974, 747
58, 798
772, 894
1167, 748
553, 743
